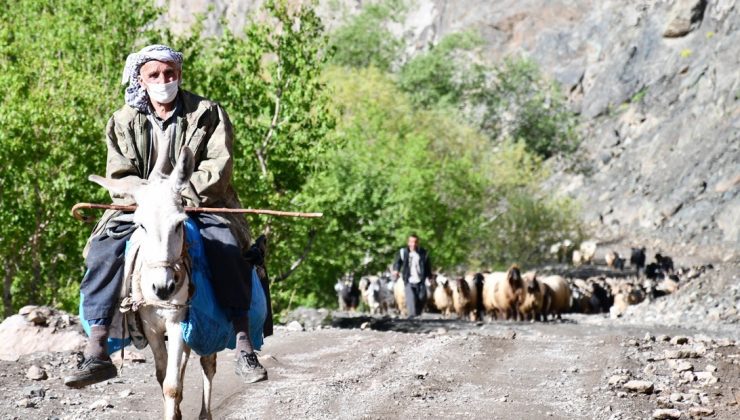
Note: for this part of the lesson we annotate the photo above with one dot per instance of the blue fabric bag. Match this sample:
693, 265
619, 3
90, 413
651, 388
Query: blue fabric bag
207, 328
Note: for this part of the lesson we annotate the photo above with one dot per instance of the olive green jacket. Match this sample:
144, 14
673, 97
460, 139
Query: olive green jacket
206, 130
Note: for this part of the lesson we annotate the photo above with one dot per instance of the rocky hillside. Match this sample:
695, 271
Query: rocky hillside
656, 84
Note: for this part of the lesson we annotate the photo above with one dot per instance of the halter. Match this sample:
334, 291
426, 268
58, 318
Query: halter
180, 266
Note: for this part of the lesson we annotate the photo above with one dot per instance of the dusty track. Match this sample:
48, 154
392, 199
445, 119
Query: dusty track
427, 368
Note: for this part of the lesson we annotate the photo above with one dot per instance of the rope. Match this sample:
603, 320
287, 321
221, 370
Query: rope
77, 213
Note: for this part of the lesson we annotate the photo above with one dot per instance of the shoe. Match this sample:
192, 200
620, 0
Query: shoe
249, 368
90, 370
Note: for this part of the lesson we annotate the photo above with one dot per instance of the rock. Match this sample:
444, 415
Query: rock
663, 402
365, 325
310, 318
710, 368
700, 411
664, 337
666, 413
676, 397
682, 366
36, 373
650, 369
707, 377
677, 341
125, 393
18, 338
643, 387
618, 379
34, 391
131, 356
649, 337
294, 326
25, 403
681, 354
684, 17
100, 405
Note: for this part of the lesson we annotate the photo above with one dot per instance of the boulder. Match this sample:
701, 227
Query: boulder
684, 17
19, 337
666, 413
642, 387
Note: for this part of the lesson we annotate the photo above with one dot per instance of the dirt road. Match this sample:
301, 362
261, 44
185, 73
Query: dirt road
426, 368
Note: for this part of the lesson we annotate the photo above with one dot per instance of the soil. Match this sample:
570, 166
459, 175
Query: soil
362, 367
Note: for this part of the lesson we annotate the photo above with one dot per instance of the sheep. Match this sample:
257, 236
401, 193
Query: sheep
561, 250
614, 260
476, 285
463, 298
431, 285
588, 250
443, 296
536, 298
348, 294
399, 293
561, 296
501, 293
577, 258
379, 297
637, 259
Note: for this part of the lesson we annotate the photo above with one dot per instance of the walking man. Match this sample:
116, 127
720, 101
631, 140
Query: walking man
413, 265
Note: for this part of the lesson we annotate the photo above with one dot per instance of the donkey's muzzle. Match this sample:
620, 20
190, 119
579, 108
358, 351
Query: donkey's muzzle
166, 291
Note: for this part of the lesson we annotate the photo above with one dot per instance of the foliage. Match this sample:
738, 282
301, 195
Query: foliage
60, 63
509, 101
365, 39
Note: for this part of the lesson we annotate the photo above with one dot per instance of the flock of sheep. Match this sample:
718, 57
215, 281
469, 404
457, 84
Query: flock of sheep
526, 296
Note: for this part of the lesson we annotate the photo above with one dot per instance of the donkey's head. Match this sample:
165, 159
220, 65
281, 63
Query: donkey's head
159, 217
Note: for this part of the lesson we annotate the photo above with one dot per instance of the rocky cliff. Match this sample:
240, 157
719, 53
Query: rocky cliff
657, 86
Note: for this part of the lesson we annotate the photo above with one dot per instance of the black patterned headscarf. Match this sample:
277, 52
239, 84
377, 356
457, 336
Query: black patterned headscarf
136, 95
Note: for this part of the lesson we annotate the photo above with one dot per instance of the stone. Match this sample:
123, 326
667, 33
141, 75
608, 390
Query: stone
663, 402
710, 368
36, 373
130, 356
365, 325
684, 17
682, 366
681, 354
666, 413
25, 403
294, 326
649, 337
650, 369
125, 393
100, 405
34, 391
643, 387
676, 397
700, 411
706, 377
677, 341
618, 379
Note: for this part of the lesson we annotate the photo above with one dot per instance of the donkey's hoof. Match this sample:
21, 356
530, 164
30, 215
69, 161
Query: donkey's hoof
90, 370
249, 368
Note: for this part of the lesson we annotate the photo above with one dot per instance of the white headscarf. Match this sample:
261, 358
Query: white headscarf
136, 95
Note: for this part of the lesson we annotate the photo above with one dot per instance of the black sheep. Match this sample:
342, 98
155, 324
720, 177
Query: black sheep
637, 259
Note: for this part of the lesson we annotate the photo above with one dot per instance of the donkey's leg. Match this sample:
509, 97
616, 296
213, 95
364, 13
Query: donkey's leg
183, 365
172, 386
208, 363
156, 343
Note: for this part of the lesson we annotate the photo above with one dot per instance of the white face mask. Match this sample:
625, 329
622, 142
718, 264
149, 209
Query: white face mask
163, 93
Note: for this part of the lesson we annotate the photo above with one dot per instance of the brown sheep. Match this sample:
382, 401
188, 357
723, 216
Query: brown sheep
533, 296
561, 295
443, 296
399, 292
501, 293
463, 299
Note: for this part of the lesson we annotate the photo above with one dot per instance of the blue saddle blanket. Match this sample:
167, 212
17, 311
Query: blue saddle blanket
207, 328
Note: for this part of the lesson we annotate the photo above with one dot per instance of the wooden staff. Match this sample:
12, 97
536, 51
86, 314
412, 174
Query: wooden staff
77, 213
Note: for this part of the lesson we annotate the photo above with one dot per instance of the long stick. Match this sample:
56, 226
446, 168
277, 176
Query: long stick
76, 211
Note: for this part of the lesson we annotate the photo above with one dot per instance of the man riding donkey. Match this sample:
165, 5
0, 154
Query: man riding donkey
160, 117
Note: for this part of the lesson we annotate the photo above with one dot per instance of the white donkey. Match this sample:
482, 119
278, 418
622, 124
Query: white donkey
158, 267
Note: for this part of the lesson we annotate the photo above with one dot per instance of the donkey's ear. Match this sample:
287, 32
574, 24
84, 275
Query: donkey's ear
122, 187
183, 169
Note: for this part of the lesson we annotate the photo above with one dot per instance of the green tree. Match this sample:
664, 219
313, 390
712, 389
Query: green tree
60, 63
365, 39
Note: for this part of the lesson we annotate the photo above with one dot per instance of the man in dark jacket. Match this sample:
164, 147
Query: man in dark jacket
413, 265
